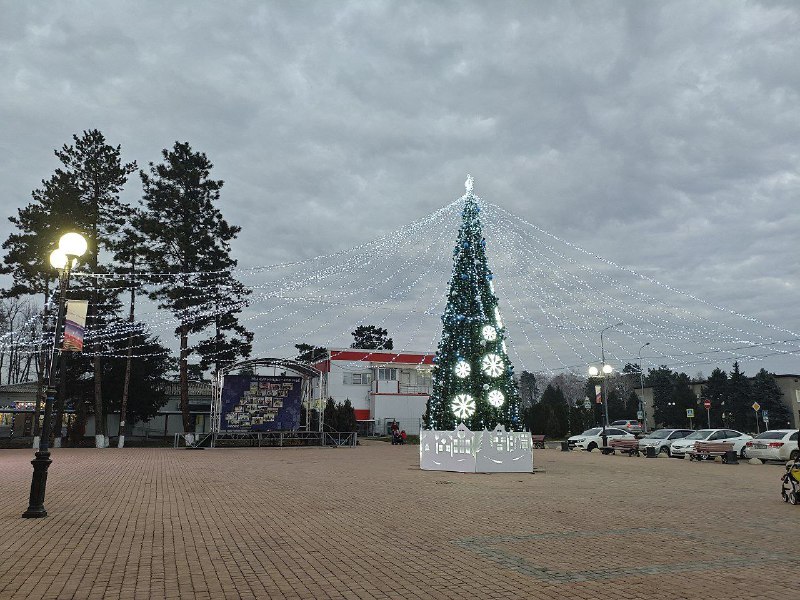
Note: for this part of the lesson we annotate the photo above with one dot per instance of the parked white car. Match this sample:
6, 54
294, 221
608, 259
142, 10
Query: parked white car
593, 438
681, 448
775, 444
662, 439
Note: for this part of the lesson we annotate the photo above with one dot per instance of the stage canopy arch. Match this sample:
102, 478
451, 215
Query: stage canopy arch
242, 399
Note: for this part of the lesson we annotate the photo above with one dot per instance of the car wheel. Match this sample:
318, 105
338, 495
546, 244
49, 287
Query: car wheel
665, 450
591, 447
794, 455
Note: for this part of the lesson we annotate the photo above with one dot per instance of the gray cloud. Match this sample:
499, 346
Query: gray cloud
661, 135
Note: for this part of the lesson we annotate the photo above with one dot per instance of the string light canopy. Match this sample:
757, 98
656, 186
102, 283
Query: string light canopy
553, 296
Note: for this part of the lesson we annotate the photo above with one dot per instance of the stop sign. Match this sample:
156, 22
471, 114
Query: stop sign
707, 404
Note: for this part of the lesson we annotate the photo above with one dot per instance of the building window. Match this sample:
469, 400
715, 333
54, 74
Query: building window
356, 378
386, 374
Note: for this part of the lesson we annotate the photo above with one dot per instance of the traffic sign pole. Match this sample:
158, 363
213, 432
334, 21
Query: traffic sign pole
756, 407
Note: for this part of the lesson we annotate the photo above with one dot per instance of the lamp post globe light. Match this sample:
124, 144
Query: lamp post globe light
71, 246
607, 370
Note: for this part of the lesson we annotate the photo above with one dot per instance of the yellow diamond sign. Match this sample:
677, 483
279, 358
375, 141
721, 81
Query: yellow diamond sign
756, 406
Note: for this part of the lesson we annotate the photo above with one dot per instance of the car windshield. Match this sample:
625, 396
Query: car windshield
771, 435
594, 431
660, 434
699, 435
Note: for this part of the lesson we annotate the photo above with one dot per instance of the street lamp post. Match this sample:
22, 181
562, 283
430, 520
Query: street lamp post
607, 372
70, 247
642, 406
602, 373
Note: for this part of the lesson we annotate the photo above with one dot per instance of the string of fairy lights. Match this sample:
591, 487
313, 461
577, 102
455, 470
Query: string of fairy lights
556, 297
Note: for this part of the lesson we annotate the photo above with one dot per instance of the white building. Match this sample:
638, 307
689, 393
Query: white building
382, 385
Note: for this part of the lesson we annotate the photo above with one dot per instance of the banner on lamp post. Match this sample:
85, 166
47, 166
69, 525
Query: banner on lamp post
598, 394
75, 325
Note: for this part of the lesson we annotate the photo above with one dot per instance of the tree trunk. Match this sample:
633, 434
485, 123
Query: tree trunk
123, 411
61, 399
99, 416
184, 379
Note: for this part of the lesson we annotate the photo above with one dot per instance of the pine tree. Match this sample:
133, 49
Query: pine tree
187, 236
716, 389
661, 381
767, 393
370, 337
83, 196
473, 378
741, 400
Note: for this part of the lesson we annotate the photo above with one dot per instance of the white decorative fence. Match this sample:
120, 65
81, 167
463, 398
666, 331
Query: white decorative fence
465, 451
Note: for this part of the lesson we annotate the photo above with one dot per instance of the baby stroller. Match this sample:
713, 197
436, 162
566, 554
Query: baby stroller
790, 483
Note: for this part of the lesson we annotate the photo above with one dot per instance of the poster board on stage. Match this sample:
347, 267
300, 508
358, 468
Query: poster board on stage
261, 402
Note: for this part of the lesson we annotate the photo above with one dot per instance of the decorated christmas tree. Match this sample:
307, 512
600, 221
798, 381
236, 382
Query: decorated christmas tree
473, 379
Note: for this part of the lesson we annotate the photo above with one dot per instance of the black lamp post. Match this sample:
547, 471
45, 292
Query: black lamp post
70, 247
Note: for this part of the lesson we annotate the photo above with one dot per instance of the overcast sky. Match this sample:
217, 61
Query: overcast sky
664, 136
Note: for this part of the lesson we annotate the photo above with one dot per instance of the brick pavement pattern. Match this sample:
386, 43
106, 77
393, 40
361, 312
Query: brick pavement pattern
365, 523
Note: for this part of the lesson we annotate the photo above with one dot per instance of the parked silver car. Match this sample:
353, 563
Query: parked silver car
629, 425
662, 439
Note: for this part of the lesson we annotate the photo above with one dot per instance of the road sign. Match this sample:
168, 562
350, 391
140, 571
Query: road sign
690, 413
756, 406
639, 415
765, 414
707, 404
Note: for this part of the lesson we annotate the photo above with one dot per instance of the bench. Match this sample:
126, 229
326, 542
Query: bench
629, 446
710, 449
538, 441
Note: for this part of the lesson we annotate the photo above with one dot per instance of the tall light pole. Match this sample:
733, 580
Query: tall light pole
64, 258
608, 372
642, 406
602, 373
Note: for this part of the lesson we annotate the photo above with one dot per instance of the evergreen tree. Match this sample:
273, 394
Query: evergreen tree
767, 393
616, 406
346, 416
82, 195
308, 353
370, 337
186, 235
527, 389
716, 389
553, 413
472, 377
661, 380
682, 398
741, 401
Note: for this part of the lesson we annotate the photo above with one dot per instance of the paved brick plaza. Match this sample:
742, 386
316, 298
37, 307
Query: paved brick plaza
367, 523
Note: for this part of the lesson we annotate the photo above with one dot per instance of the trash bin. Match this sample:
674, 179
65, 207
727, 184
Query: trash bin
730, 458
650, 452
565, 447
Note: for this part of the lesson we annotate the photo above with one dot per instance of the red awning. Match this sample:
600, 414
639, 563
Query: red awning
362, 414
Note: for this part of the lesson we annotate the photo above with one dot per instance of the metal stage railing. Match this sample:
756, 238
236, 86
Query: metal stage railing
268, 439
